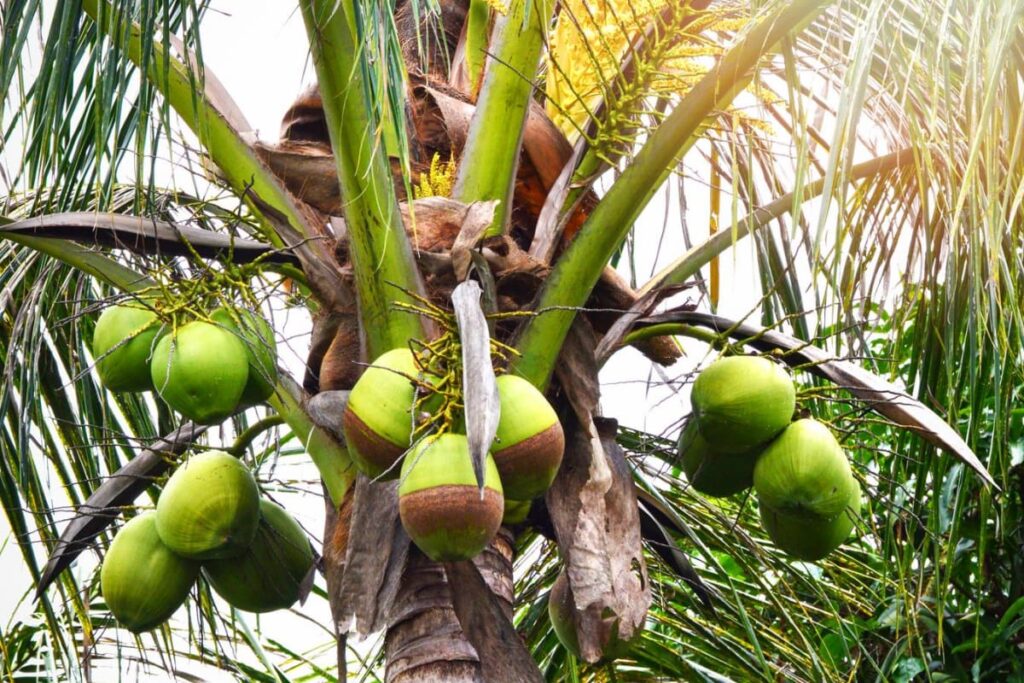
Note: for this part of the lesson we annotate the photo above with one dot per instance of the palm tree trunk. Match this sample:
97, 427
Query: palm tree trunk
425, 641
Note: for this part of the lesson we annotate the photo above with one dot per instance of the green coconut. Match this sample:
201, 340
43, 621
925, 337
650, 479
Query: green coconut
562, 613
269, 575
804, 472
529, 442
378, 419
142, 580
741, 402
210, 508
516, 511
713, 473
255, 333
439, 501
122, 343
201, 370
810, 538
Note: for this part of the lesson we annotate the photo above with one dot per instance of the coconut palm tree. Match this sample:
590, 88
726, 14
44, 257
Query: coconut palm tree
869, 155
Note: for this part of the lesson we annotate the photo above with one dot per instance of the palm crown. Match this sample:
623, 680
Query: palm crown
863, 154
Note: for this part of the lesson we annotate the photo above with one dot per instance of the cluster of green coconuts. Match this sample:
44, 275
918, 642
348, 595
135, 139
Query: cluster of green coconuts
209, 519
742, 434
440, 504
204, 369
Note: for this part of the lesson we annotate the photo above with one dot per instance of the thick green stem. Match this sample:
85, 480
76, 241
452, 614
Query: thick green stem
245, 439
382, 259
330, 457
574, 276
490, 159
670, 329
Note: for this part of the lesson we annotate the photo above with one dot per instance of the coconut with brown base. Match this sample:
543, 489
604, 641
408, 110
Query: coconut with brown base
529, 442
378, 420
440, 504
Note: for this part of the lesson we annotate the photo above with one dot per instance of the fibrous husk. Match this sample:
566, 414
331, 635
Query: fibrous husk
200, 370
142, 580
530, 441
210, 508
711, 472
809, 538
257, 336
270, 574
447, 516
378, 419
804, 472
741, 402
121, 344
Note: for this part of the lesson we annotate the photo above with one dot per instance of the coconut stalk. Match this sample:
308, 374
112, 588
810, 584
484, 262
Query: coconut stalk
490, 158
576, 273
383, 264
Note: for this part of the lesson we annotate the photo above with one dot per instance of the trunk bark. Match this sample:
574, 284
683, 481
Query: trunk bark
425, 641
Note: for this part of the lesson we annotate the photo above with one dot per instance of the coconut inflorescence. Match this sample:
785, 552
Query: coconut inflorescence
440, 504
270, 573
209, 508
122, 342
529, 443
142, 580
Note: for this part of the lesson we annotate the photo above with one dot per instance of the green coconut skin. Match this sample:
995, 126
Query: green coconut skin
526, 413
383, 399
125, 366
456, 531
804, 472
741, 402
516, 511
201, 370
255, 333
563, 621
210, 508
808, 538
142, 580
712, 473
269, 575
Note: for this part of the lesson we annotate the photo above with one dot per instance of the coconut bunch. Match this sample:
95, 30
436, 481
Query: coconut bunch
209, 519
402, 421
742, 435
204, 369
